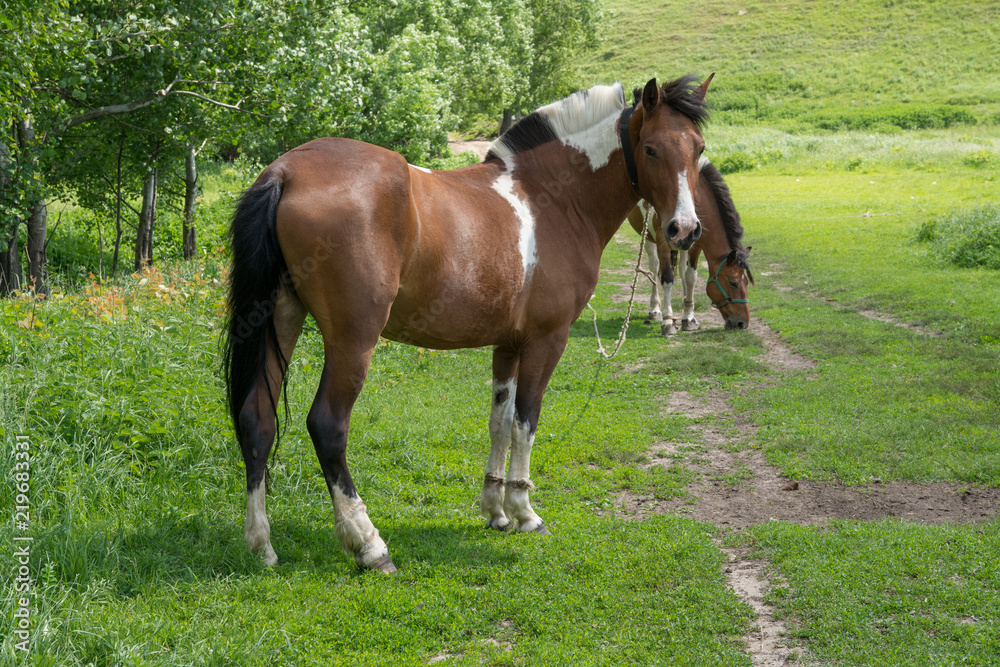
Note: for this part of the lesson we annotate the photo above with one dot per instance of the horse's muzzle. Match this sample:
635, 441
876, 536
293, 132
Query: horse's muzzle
673, 229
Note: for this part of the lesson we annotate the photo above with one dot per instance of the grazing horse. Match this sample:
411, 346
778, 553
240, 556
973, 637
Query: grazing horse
721, 241
371, 246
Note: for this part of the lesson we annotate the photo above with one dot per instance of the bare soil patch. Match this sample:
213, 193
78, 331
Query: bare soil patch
776, 269
749, 579
736, 488
777, 355
480, 148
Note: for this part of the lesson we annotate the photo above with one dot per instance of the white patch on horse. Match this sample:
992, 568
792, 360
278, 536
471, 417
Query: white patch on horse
423, 169
689, 277
504, 185
685, 202
501, 423
256, 529
357, 535
587, 121
515, 503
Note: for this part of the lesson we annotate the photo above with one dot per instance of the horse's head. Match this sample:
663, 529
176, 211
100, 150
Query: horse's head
667, 142
727, 288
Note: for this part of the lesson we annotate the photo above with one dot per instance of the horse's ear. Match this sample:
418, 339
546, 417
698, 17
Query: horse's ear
650, 96
701, 91
749, 248
733, 257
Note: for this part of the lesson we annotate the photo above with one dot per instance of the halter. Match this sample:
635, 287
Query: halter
627, 145
728, 299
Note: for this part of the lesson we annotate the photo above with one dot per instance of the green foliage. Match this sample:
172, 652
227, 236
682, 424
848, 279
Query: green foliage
907, 117
736, 161
982, 159
968, 238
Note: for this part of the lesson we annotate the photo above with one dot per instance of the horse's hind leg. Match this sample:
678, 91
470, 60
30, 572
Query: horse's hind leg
501, 424
329, 421
258, 422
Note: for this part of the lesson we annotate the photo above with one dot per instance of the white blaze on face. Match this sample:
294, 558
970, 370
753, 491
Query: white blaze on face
504, 186
685, 214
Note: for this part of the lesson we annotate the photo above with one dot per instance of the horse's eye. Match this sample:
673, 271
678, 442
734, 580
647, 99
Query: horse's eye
734, 283
701, 151
649, 151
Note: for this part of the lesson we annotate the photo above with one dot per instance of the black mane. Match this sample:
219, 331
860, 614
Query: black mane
532, 130
727, 210
678, 96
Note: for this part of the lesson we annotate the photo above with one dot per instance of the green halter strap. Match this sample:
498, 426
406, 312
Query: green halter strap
727, 299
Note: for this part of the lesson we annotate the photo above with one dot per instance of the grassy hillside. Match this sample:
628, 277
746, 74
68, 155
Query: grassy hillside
815, 63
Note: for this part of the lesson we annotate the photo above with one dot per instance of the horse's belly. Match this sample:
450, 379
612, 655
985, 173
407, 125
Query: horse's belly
451, 318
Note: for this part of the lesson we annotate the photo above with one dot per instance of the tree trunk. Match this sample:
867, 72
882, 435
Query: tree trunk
147, 220
507, 122
37, 219
118, 206
190, 203
10, 262
37, 261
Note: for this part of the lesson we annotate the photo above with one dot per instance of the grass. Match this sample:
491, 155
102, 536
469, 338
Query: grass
969, 238
137, 488
887, 592
802, 64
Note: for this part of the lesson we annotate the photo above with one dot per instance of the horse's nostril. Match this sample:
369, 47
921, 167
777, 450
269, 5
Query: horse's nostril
741, 325
696, 234
672, 229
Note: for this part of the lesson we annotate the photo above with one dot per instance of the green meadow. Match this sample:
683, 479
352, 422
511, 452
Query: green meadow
861, 144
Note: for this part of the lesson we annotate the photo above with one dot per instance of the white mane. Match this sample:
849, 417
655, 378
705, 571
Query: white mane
586, 120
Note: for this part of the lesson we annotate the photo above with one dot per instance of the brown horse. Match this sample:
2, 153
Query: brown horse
371, 246
721, 241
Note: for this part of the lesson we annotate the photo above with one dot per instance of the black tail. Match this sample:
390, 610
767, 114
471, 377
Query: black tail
255, 279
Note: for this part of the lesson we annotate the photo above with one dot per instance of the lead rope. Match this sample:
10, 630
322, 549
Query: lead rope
631, 300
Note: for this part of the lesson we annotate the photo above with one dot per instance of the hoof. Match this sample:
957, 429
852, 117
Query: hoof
542, 530
503, 525
266, 554
654, 316
690, 325
668, 328
383, 565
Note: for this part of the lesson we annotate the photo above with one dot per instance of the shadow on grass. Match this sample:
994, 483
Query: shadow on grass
170, 549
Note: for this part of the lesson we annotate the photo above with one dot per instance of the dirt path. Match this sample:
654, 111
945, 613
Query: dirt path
735, 487
480, 148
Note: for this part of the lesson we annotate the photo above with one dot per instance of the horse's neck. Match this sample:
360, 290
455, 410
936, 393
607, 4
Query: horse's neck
714, 245
598, 200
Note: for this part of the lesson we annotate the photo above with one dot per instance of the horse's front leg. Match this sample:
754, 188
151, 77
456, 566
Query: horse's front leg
501, 424
668, 328
688, 264
538, 360
653, 261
